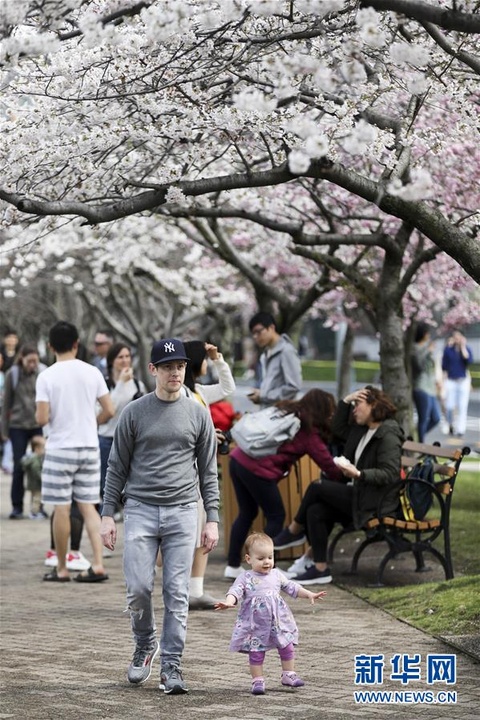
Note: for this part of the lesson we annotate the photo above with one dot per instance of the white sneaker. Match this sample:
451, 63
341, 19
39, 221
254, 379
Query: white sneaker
232, 572
300, 566
51, 559
77, 561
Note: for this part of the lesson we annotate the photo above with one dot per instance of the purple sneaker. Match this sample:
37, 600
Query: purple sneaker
258, 686
291, 679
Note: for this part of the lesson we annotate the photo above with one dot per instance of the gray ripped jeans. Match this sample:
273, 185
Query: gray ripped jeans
173, 529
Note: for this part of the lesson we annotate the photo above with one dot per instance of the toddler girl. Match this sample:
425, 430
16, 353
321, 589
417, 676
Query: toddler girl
32, 464
264, 620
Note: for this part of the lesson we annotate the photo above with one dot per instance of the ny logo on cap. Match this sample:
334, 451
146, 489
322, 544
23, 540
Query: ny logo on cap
169, 347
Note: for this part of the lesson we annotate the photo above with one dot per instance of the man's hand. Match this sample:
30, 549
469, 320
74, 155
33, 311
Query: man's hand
220, 436
209, 537
254, 396
108, 532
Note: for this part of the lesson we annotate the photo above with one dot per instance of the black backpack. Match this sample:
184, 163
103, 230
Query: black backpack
417, 497
139, 392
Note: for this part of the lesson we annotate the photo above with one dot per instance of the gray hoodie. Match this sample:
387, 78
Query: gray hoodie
281, 372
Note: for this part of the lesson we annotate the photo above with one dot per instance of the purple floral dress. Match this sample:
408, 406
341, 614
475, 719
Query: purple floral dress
264, 619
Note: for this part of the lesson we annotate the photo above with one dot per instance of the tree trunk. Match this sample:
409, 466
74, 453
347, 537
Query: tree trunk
344, 364
394, 376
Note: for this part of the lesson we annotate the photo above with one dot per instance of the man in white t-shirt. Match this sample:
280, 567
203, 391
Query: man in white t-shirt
66, 400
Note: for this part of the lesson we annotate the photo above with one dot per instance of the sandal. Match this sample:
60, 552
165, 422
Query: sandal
90, 576
52, 576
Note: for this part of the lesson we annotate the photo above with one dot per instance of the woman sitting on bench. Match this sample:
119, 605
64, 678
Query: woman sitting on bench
373, 439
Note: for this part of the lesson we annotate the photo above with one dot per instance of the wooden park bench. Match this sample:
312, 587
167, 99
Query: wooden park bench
414, 536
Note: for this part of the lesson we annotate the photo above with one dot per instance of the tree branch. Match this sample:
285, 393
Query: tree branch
424, 12
114, 18
291, 310
295, 230
464, 250
359, 282
470, 60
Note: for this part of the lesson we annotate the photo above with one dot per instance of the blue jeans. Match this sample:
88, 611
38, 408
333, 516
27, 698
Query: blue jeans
174, 529
458, 393
252, 492
19, 439
428, 412
105, 444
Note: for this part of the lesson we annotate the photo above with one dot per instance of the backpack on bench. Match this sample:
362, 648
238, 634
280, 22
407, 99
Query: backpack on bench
416, 497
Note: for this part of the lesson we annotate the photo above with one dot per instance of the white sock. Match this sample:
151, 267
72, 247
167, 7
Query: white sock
195, 587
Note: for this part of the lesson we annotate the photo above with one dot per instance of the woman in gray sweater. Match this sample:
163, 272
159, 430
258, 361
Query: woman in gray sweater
18, 416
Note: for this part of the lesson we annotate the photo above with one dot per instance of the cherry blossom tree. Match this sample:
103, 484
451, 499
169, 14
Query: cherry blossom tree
123, 277
363, 261
114, 109
329, 256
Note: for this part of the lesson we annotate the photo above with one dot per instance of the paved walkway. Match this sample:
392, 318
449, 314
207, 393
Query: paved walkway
65, 649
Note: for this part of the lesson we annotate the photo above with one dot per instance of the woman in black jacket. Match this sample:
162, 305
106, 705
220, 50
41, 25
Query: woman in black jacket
371, 462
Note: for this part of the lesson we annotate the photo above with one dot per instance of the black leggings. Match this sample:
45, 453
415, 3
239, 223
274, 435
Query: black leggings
76, 522
324, 504
252, 492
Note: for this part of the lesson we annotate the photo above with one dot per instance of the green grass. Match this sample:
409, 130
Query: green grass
465, 522
325, 370
319, 370
365, 371
450, 607
447, 608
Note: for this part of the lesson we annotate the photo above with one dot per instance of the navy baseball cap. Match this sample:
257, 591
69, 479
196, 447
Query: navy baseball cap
166, 350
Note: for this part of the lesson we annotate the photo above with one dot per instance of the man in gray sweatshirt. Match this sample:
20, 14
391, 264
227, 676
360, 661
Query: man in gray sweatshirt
280, 368
164, 451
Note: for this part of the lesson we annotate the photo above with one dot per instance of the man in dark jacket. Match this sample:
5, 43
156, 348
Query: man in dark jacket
372, 460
